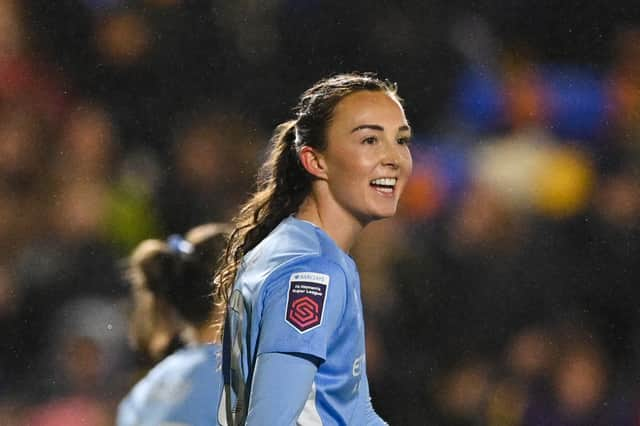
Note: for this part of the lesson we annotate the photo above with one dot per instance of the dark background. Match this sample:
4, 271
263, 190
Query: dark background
503, 293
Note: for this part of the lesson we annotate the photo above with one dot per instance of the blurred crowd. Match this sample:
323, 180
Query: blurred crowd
503, 293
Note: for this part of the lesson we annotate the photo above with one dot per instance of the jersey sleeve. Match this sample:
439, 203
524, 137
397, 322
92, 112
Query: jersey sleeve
302, 306
267, 407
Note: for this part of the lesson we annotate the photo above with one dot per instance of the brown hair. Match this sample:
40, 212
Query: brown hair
173, 279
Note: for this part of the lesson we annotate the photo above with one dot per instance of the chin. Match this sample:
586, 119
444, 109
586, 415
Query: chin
383, 214
375, 212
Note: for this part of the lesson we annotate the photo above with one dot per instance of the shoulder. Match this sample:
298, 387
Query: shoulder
301, 307
294, 246
317, 269
293, 238
182, 362
311, 284
207, 365
178, 382
178, 370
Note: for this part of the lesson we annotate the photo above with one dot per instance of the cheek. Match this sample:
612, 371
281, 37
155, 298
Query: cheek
352, 168
406, 165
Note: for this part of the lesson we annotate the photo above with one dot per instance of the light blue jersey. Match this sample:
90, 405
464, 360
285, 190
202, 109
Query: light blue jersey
298, 293
183, 389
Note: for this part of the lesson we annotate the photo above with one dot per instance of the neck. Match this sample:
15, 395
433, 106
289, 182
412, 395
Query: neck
341, 226
207, 333
211, 330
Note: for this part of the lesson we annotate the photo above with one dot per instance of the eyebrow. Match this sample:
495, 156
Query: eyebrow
378, 128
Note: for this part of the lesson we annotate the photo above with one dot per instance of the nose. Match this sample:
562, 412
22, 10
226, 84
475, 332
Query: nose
391, 156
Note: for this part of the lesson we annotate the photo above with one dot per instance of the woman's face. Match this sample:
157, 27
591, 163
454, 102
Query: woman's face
367, 158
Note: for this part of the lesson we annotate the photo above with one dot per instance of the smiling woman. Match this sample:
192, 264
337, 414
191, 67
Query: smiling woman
294, 321
366, 164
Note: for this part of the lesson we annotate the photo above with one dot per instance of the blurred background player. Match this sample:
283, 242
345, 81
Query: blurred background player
173, 315
295, 319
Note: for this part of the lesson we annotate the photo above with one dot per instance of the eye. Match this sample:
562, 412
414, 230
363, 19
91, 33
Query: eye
404, 141
370, 140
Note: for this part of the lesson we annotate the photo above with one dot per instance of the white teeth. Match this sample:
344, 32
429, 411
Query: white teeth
385, 181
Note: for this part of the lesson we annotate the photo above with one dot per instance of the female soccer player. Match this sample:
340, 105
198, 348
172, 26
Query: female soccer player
171, 289
294, 348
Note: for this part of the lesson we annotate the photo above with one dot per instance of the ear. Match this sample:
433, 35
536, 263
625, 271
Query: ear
313, 162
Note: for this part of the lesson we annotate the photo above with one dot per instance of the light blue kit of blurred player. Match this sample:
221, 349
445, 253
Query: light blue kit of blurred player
180, 390
171, 284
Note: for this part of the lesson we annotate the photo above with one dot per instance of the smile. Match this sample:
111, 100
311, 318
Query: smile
384, 185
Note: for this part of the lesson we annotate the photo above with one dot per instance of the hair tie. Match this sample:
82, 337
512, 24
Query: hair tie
179, 245
297, 141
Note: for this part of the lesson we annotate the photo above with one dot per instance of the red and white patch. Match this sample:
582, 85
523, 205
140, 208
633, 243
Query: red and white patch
306, 300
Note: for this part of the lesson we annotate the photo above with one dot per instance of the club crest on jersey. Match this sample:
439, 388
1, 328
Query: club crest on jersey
305, 300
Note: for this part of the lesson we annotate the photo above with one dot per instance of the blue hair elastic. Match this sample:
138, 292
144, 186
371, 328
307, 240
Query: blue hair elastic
179, 245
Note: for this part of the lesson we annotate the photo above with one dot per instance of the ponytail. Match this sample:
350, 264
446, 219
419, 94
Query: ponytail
282, 185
